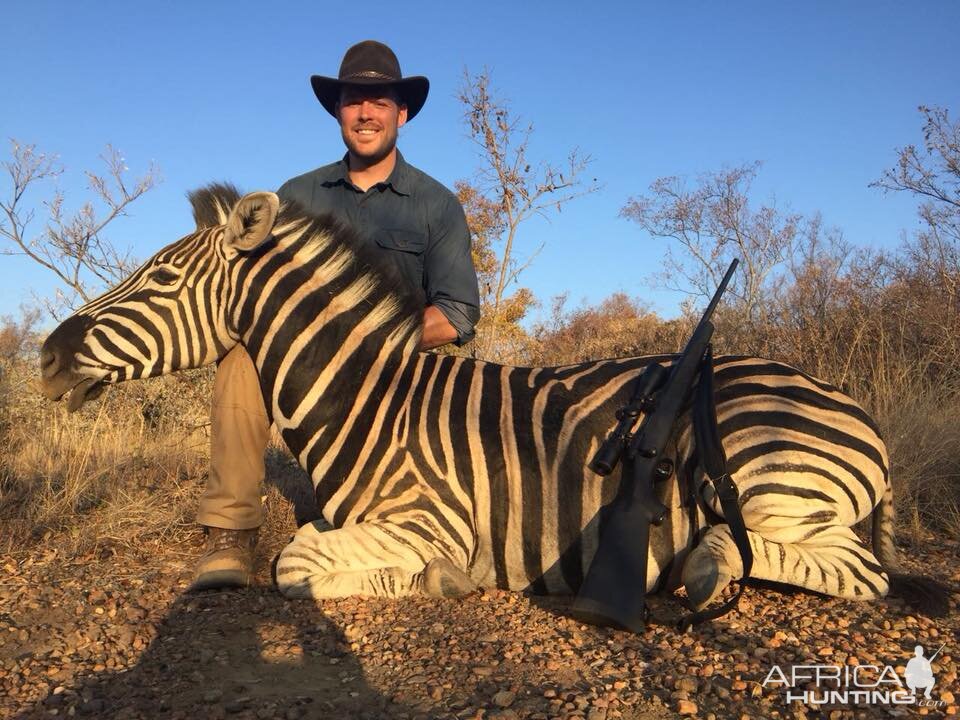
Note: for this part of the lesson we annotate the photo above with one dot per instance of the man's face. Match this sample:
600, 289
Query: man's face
369, 118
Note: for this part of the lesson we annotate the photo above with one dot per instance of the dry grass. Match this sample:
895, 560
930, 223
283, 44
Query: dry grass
923, 439
123, 473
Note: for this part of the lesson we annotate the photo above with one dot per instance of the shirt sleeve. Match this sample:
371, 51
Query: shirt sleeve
448, 264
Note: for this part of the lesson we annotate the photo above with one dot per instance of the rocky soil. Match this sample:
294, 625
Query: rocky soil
117, 637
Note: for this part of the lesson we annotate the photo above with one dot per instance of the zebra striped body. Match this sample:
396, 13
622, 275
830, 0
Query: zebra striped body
419, 456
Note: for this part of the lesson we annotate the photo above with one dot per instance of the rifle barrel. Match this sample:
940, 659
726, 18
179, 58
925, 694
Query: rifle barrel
723, 286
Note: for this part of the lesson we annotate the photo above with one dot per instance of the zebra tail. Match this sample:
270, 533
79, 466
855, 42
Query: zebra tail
924, 594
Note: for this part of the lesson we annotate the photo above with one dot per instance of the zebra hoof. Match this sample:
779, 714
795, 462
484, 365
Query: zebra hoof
442, 579
703, 579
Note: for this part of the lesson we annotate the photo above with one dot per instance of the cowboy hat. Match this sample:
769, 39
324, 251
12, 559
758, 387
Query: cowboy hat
371, 63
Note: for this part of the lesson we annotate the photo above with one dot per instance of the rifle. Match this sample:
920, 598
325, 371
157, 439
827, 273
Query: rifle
614, 589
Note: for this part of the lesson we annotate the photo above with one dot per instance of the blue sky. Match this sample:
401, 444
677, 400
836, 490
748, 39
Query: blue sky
821, 92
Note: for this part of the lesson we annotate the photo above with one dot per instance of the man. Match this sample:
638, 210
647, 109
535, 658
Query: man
406, 214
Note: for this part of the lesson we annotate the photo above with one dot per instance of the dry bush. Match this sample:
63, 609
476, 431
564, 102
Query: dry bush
924, 444
510, 188
619, 326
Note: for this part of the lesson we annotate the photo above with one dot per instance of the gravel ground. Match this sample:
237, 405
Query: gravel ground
116, 638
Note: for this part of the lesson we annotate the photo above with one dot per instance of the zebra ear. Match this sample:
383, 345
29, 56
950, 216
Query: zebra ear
251, 221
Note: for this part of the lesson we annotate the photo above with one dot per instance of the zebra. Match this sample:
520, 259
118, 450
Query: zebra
441, 474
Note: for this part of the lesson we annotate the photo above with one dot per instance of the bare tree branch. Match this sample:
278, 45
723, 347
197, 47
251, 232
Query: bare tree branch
515, 186
712, 223
71, 247
932, 174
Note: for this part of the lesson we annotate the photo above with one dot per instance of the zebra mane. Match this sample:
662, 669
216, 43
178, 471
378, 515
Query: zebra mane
367, 258
212, 204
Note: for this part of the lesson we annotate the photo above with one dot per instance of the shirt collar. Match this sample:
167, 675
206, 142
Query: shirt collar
398, 180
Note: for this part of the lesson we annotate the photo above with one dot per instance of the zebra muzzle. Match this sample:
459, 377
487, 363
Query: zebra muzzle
86, 389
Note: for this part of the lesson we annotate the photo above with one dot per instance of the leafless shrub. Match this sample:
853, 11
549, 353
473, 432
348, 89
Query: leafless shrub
510, 188
19, 337
71, 246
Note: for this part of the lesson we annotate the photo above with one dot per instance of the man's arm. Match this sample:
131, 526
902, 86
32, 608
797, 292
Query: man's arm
451, 280
437, 330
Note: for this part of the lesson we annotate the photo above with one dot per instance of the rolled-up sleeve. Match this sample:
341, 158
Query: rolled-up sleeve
448, 265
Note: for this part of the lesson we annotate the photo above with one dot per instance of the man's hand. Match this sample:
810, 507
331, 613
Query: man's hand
437, 330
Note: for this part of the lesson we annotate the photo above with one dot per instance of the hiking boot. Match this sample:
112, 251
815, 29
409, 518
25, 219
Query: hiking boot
227, 561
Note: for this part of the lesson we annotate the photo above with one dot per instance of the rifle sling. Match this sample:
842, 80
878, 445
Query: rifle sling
714, 462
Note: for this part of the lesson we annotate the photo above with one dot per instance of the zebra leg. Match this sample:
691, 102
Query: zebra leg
373, 558
833, 562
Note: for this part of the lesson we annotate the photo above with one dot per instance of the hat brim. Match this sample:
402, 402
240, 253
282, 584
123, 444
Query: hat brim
412, 91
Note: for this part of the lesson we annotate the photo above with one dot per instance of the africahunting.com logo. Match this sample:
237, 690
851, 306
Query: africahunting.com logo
858, 684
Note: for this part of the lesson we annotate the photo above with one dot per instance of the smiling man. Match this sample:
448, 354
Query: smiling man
393, 206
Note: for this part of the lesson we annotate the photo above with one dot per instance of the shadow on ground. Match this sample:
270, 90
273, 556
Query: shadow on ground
243, 654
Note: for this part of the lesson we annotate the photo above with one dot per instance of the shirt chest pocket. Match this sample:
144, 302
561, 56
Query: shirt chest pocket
405, 241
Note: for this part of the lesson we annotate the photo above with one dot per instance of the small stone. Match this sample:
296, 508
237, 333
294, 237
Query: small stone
946, 696
94, 707
738, 685
235, 706
687, 707
212, 696
504, 698
687, 684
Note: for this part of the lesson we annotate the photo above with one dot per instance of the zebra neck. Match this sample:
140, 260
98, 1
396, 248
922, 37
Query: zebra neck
323, 330
306, 362
317, 373
328, 403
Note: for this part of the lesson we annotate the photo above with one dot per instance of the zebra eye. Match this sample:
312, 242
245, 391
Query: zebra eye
163, 276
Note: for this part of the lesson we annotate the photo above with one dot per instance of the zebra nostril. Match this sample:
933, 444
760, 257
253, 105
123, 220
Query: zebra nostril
48, 362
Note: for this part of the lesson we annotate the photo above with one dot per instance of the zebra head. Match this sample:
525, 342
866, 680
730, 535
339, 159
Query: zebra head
170, 314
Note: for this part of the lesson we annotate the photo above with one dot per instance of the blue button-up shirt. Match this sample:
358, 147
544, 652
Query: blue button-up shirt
415, 219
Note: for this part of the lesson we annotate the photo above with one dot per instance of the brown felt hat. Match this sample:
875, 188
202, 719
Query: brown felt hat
371, 63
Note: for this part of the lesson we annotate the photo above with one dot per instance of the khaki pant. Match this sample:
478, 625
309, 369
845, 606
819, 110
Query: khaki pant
239, 434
